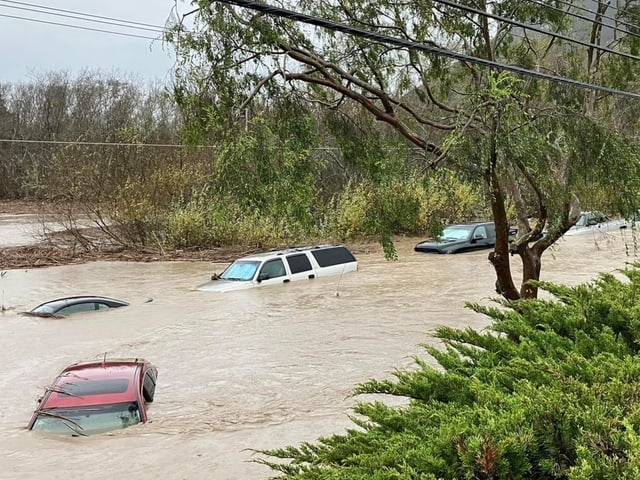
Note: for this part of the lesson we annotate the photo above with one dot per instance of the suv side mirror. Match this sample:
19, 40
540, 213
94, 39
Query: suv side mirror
263, 276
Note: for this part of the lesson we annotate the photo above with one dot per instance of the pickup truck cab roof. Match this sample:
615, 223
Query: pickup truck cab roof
283, 266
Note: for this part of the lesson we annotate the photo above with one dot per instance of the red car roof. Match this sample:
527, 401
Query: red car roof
95, 383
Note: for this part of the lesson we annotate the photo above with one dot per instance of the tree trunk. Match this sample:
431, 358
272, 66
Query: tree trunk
499, 258
531, 266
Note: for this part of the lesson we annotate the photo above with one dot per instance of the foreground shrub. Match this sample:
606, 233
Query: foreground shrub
550, 391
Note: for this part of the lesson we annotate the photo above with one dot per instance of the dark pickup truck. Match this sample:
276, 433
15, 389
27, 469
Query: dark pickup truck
461, 238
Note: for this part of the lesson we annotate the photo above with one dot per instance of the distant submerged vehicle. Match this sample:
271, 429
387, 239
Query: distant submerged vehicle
459, 238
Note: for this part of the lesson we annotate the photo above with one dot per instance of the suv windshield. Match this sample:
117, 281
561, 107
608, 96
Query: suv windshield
88, 420
460, 232
241, 270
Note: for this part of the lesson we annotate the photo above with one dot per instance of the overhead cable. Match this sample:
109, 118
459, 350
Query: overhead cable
110, 144
44, 7
80, 17
126, 144
152, 145
610, 7
438, 51
592, 20
533, 28
78, 27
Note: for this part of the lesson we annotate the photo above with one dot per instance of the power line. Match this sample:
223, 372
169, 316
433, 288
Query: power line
584, 9
341, 27
153, 145
110, 144
533, 28
78, 17
77, 26
584, 17
44, 7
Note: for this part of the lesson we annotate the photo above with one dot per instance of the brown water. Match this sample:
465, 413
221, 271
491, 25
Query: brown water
245, 370
18, 229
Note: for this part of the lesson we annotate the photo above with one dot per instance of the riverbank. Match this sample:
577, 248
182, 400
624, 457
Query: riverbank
61, 248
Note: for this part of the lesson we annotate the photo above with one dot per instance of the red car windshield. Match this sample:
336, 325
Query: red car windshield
88, 420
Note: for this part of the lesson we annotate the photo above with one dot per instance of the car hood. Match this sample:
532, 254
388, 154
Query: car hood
439, 245
221, 285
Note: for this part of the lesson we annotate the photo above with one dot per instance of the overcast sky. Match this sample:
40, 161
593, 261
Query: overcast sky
30, 47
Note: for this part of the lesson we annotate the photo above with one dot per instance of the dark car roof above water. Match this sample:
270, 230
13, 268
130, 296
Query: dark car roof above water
451, 242
58, 303
470, 224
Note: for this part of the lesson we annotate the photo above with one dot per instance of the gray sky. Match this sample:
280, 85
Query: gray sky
30, 47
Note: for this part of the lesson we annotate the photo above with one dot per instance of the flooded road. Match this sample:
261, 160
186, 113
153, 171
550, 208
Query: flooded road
238, 371
16, 230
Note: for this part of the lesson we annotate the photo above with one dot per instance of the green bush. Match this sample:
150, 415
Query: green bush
550, 391
141, 206
214, 222
187, 227
408, 206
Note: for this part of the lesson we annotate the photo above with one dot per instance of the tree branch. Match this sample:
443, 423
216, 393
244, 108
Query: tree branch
324, 67
368, 105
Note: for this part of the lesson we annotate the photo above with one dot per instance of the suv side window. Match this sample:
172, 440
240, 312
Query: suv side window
273, 269
299, 263
327, 257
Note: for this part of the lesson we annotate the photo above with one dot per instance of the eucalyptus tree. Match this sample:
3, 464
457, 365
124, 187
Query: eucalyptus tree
535, 144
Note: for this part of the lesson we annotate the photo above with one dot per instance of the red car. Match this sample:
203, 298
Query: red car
96, 397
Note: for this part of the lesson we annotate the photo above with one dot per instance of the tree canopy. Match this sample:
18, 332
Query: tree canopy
537, 145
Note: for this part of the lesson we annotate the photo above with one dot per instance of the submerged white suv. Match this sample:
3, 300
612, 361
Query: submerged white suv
283, 266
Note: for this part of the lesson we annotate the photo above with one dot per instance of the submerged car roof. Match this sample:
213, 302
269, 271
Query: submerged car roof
287, 251
469, 224
95, 383
60, 302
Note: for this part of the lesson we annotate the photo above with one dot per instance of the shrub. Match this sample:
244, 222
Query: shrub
550, 391
412, 205
140, 209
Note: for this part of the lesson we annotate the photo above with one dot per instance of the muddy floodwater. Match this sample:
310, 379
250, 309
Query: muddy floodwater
238, 371
18, 230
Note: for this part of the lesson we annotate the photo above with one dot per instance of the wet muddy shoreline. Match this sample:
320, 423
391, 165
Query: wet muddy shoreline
61, 249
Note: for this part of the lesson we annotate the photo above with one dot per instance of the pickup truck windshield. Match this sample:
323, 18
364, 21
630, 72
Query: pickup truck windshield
243, 270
